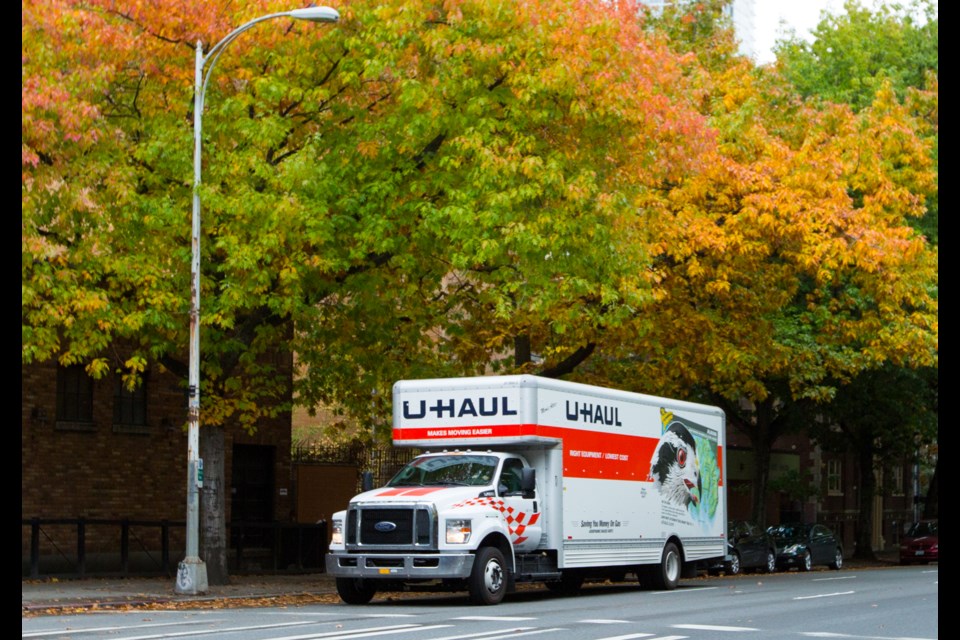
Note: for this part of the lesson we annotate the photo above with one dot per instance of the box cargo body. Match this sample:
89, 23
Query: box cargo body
545, 480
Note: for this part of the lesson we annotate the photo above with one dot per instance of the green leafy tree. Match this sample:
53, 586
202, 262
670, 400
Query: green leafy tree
855, 51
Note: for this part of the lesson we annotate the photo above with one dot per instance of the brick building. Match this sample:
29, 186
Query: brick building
92, 450
833, 497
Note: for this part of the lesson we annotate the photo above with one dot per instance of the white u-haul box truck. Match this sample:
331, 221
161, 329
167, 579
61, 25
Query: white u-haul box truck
530, 479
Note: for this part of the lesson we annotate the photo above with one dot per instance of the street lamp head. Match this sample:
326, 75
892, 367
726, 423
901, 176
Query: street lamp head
315, 14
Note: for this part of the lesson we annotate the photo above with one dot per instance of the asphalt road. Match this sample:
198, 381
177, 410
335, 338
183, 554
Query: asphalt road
891, 603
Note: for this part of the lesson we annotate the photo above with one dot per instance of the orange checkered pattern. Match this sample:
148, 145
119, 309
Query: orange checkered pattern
517, 521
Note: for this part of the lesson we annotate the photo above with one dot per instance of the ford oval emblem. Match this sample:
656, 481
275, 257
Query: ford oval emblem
385, 526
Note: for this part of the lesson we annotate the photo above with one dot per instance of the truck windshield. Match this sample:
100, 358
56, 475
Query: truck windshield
460, 470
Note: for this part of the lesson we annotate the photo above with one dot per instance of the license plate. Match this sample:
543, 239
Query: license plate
918, 553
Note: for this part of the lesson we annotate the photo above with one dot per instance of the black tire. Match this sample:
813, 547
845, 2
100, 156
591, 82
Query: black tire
806, 561
567, 585
734, 567
355, 591
488, 580
666, 577
771, 565
837, 563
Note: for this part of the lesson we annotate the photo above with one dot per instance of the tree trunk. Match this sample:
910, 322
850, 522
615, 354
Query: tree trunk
868, 489
521, 350
213, 538
761, 473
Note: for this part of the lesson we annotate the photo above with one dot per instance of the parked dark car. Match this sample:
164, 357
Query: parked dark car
806, 545
750, 548
921, 543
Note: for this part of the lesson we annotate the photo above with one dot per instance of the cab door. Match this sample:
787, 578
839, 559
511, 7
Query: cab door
521, 508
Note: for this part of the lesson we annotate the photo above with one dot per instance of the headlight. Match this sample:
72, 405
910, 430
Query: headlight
792, 550
458, 531
337, 536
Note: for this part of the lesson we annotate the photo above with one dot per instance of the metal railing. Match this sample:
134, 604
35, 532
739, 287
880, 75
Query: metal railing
143, 547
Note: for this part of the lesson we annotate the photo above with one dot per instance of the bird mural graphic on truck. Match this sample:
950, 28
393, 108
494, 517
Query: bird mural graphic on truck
675, 466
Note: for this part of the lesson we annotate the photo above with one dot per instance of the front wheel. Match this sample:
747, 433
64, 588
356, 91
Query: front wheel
837, 560
771, 562
806, 561
355, 591
667, 576
488, 580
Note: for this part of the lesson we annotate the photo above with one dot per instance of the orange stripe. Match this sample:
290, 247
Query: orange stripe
586, 454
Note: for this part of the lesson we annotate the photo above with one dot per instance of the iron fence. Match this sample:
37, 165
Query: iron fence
62, 547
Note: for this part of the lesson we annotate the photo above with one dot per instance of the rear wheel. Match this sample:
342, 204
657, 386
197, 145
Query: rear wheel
837, 560
666, 577
488, 580
355, 591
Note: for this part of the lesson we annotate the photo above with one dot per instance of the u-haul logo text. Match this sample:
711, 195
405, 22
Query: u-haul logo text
458, 408
593, 413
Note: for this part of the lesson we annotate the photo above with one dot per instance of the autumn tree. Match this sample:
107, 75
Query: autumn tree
400, 195
789, 264
855, 51
893, 48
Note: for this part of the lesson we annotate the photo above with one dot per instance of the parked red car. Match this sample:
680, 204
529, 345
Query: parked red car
921, 543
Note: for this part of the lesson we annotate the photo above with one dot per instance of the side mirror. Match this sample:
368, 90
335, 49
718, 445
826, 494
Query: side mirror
528, 480
367, 481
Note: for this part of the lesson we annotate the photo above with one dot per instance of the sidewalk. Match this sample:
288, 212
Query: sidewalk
74, 594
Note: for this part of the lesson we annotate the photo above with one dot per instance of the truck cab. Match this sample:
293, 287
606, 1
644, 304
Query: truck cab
434, 521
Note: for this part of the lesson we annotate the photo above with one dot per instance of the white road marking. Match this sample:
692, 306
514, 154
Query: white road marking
629, 636
827, 634
685, 590
500, 634
495, 618
40, 634
825, 595
711, 627
362, 633
604, 621
201, 632
837, 578
484, 634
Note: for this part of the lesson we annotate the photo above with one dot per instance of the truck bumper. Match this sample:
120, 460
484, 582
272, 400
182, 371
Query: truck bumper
401, 567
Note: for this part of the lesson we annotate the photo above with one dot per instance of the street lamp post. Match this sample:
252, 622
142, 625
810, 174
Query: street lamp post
192, 572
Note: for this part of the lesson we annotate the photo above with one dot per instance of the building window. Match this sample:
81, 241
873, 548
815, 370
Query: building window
74, 395
834, 478
130, 407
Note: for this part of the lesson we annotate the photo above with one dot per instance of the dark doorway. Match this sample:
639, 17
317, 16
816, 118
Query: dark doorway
251, 502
